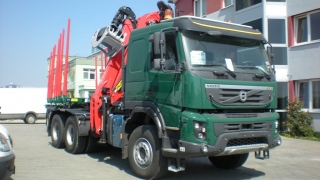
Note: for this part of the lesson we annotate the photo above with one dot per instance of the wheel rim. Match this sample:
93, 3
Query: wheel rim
55, 130
31, 119
142, 153
70, 135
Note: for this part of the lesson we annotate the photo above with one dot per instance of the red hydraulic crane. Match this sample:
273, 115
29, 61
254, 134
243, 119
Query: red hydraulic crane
115, 39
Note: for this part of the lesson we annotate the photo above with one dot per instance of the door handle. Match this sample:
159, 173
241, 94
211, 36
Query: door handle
149, 91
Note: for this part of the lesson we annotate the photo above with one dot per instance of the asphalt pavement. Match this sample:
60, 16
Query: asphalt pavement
37, 159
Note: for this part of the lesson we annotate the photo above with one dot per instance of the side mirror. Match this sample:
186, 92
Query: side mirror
270, 56
159, 43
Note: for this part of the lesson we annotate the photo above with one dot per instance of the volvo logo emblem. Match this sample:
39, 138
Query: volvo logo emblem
243, 96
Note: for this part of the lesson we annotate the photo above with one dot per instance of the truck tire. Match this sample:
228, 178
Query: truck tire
229, 162
91, 144
145, 155
74, 143
57, 131
30, 119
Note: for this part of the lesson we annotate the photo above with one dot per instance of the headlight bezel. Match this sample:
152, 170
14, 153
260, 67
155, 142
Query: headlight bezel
199, 130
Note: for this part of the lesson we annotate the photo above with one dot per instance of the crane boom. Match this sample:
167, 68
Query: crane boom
115, 40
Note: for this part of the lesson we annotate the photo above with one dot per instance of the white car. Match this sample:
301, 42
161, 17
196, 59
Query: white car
7, 156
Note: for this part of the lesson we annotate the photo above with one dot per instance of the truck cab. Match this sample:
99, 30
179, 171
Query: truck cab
208, 86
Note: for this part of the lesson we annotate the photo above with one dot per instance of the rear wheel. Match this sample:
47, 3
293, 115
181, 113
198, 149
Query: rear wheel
229, 162
91, 144
57, 131
30, 119
74, 143
145, 155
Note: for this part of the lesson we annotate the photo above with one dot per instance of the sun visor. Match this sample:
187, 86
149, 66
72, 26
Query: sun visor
229, 29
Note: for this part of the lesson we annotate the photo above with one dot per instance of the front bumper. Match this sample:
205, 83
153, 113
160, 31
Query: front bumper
221, 147
7, 167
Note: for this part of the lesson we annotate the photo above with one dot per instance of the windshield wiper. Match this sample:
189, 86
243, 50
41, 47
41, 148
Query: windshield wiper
227, 69
256, 67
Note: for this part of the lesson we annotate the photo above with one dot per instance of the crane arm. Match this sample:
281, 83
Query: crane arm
113, 38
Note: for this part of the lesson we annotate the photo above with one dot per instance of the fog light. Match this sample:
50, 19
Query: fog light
204, 149
279, 141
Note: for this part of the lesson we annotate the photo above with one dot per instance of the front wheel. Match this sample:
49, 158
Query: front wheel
229, 162
74, 143
145, 155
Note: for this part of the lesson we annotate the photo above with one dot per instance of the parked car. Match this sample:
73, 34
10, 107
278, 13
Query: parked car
7, 156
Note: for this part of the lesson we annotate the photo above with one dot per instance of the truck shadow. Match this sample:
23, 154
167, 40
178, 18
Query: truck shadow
196, 168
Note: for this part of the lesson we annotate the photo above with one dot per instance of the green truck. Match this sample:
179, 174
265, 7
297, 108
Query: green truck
206, 104
191, 87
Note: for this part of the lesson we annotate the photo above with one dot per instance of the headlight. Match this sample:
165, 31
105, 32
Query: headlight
276, 124
4, 145
196, 125
199, 130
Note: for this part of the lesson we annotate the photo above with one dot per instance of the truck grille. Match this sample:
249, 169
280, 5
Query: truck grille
238, 95
244, 127
220, 128
246, 141
227, 94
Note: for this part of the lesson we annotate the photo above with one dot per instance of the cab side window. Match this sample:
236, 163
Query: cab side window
171, 58
171, 52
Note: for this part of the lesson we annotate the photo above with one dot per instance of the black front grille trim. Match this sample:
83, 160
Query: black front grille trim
247, 141
220, 128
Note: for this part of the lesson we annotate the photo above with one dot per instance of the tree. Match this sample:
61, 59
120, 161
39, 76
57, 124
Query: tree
298, 122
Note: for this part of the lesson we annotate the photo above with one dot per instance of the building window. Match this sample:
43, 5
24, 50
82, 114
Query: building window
309, 94
228, 3
241, 4
101, 71
315, 25
277, 31
280, 55
255, 24
316, 94
88, 74
304, 94
200, 8
302, 30
307, 27
282, 95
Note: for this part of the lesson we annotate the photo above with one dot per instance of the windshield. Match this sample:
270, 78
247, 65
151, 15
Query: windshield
205, 52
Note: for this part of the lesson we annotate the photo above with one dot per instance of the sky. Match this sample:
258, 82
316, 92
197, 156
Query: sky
30, 28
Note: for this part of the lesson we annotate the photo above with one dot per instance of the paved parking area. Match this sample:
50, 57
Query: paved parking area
37, 159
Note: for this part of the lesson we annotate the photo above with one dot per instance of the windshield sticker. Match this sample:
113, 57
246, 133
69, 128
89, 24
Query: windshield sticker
198, 57
229, 64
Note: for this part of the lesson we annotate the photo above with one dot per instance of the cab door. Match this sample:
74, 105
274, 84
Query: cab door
163, 88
